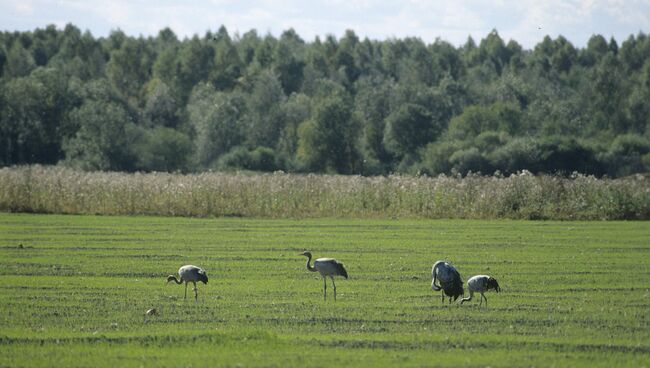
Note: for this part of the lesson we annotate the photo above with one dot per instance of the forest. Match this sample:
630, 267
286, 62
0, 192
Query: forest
344, 105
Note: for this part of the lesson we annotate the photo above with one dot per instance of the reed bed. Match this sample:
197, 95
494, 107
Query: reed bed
55, 189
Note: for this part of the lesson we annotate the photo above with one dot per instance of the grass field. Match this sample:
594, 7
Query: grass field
75, 293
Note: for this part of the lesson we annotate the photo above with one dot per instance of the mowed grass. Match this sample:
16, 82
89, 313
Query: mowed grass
75, 294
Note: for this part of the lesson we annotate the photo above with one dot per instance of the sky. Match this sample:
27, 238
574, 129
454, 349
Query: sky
525, 21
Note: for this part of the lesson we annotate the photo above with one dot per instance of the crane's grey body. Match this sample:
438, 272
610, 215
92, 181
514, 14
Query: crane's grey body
190, 273
481, 284
449, 279
327, 267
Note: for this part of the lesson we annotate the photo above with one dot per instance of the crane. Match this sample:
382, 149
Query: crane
449, 278
191, 274
481, 284
326, 267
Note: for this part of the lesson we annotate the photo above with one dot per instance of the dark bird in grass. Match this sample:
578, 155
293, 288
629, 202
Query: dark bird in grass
326, 267
449, 279
191, 274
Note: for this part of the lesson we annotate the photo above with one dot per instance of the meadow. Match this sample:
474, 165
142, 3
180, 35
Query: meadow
74, 290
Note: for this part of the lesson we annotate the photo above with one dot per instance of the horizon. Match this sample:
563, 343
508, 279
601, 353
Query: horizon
525, 22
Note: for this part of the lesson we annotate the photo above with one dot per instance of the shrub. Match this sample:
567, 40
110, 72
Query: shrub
469, 160
625, 155
259, 159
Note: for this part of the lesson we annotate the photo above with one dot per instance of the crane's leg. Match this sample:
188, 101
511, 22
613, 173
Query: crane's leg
334, 284
324, 288
481, 300
442, 296
485, 300
196, 292
185, 290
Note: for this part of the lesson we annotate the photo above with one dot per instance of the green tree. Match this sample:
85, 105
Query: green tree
468, 160
265, 115
344, 60
522, 153
19, 62
492, 51
446, 60
3, 60
247, 45
106, 136
562, 155
366, 58
596, 49
80, 55
128, 68
626, 154
435, 156
227, 66
264, 51
635, 51
409, 128
21, 122
195, 60
46, 44
554, 55
392, 52
327, 142
316, 67
32, 116
417, 65
478, 119
216, 119
608, 92
164, 149
296, 109
160, 105
259, 159
372, 105
288, 62
637, 109
166, 38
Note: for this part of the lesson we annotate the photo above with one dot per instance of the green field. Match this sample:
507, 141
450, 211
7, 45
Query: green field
75, 293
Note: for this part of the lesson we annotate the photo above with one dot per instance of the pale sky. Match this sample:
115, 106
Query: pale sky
525, 21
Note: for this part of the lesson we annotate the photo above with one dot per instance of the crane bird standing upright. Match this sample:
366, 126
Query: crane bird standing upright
449, 278
326, 267
191, 274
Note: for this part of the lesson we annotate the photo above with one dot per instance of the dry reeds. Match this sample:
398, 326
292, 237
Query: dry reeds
43, 189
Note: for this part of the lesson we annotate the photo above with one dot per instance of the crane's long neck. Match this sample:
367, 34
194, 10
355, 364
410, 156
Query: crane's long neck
433, 282
173, 278
310, 267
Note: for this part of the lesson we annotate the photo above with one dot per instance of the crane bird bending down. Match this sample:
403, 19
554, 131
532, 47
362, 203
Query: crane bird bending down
326, 267
481, 284
449, 278
191, 274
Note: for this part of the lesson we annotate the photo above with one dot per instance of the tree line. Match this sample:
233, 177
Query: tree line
336, 105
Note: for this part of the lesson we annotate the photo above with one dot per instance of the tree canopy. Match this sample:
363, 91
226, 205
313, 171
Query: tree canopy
339, 105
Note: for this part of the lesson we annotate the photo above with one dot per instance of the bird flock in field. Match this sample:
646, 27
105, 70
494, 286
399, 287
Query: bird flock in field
445, 278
